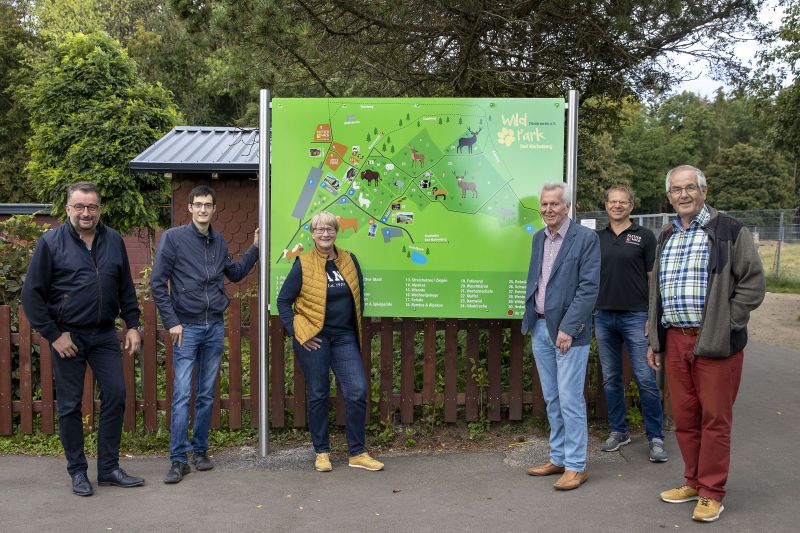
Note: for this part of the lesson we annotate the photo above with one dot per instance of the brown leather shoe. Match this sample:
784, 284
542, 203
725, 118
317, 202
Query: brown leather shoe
571, 480
547, 469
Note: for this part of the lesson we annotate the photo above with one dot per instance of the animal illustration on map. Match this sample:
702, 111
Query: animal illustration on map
363, 202
345, 223
399, 184
506, 213
289, 255
370, 176
468, 141
417, 156
437, 192
466, 185
351, 173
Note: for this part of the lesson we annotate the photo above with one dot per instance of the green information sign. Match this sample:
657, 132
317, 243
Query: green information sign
438, 198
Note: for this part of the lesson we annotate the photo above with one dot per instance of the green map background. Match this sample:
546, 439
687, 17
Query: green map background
475, 249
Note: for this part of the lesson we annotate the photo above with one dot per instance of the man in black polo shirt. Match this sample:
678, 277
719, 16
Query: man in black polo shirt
627, 253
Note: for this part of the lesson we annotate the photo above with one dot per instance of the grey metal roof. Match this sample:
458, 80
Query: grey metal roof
25, 209
202, 149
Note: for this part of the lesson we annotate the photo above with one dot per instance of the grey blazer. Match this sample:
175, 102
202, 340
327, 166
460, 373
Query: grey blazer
572, 287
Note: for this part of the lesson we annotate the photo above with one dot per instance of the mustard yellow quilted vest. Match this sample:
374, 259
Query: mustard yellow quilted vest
309, 306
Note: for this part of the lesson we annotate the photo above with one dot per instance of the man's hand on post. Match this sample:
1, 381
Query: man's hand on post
563, 342
133, 340
255, 238
176, 332
64, 346
654, 359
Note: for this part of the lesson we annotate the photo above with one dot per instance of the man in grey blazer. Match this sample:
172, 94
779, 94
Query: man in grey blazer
563, 281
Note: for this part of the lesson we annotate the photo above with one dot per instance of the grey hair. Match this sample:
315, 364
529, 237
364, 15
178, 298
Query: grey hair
621, 187
565, 192
324, 218
701, 178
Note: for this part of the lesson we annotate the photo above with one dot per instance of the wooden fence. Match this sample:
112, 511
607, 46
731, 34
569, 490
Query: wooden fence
415, 362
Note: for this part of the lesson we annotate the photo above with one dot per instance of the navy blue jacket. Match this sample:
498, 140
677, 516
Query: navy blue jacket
572, 287
195, 264
69, 287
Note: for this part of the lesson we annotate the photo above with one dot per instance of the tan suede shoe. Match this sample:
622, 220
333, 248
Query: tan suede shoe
547, 469
571, 480
322, 463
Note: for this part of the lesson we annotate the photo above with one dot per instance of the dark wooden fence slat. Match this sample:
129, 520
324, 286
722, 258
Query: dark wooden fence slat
366, 360
277, 372
299, 396
538, 406
387, 362
515, 373
129, 379
451, 371
170, 372
6, 409
408, 357
429, 361
494, 366
150, 369
235, 365
87, 402
46, 379
627, 376
216, 405
473, 359
25, 377
254, 363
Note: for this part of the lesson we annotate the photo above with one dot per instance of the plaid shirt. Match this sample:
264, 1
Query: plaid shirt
683, 273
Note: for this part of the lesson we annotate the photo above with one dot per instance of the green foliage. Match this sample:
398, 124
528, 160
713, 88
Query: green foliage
783, 284
14, 128
747, 177
91, 114
18, 236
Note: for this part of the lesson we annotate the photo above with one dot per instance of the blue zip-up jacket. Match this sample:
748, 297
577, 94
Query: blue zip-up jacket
194, 264
69, 287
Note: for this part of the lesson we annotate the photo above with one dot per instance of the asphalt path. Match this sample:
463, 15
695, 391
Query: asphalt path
438, 492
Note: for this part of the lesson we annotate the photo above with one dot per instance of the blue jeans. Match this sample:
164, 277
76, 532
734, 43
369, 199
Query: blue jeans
562, 378
201, 350
342, 354
612, 328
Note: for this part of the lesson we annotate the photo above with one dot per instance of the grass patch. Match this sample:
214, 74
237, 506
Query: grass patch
782, 284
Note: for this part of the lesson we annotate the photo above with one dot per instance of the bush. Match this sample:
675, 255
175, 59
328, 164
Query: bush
18, 236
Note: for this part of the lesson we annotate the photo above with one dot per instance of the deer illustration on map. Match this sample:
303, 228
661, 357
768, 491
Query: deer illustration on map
466, 185
468, 141
417, 156
289, 255
363, 201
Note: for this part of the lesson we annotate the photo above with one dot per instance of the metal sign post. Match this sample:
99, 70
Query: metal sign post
263, 272
572, 150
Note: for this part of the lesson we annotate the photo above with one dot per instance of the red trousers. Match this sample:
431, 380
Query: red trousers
703, 391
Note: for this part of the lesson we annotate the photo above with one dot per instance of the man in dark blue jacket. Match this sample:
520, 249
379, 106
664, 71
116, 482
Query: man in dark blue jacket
78, 282
194, 258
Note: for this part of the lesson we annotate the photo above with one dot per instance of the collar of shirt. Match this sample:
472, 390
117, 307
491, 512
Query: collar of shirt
561, 231
699, 220
633, 227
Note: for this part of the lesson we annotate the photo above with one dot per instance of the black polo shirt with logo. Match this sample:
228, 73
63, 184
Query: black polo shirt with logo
626, 260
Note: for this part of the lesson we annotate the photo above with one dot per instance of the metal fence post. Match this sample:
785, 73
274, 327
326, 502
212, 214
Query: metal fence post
778, 249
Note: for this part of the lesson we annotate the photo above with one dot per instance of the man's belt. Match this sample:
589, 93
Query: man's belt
539, 315
689, 332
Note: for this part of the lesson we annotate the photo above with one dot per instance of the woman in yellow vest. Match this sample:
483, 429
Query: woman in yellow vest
320, 304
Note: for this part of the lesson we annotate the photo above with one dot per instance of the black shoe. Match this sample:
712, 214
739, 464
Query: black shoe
119, 478
81, 484
202, 462
176, 472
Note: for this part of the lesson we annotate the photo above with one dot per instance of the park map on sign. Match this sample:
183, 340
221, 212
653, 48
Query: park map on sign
438, 198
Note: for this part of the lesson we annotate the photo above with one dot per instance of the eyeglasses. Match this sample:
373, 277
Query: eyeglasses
320, 231
618, 202
690, 190
92, 208
200, 205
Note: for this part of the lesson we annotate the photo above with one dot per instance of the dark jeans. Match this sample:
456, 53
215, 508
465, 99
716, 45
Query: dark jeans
342, 354
101, 350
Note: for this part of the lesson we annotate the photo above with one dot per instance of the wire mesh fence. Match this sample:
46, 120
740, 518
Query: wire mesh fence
776, 232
